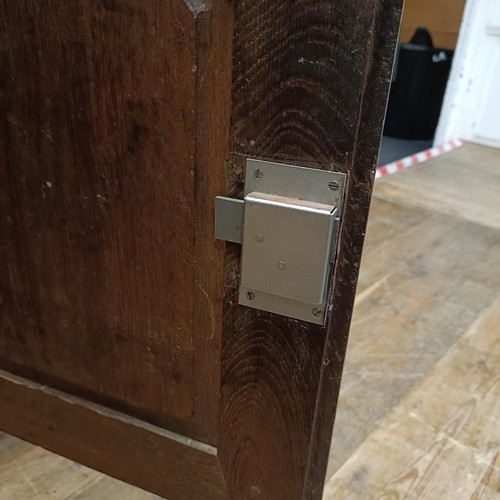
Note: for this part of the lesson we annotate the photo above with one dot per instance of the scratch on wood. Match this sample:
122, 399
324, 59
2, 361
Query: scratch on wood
212, 310
195, 6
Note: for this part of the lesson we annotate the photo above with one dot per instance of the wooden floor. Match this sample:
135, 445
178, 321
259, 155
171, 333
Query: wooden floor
419, 413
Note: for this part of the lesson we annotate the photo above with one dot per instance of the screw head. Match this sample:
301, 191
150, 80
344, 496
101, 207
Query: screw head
259, 238
316, 312
258, 174
333, 186
250, 295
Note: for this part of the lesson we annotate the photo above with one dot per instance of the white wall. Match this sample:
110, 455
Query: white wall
471, 108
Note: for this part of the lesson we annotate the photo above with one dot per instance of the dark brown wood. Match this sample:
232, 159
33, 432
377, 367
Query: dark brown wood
382, 43
119, 127
214, 74
110, 274
149, 457
310, 87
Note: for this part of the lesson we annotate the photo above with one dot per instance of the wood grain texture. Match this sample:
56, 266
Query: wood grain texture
382, 42
426, 277
110, 276
28, 471
214, 75
309, 88
128, 449
429, 270
113, 288
443, 440
472, 177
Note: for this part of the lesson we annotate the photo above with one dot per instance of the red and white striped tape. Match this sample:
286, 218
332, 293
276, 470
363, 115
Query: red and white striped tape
411, 161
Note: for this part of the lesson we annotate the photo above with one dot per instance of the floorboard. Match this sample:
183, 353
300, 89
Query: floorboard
418, 404
421, 390
441, 441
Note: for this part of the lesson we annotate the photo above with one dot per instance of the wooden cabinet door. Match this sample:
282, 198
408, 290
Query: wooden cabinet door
122, 343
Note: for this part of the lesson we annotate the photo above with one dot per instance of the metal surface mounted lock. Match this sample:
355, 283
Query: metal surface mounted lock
287, 224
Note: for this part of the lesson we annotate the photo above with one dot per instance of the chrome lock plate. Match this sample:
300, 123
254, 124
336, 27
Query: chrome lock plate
287, 224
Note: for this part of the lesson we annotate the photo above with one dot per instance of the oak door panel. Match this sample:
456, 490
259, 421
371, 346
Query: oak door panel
310, 90
122, 343
127, 448
99, 199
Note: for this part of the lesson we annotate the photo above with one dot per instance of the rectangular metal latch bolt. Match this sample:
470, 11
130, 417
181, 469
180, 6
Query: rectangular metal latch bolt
287, 224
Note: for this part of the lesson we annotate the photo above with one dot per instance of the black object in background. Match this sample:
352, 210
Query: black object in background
392, 149
418, 88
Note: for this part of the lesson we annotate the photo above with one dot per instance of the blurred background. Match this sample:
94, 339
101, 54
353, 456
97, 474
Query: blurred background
420, 398
446, 77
